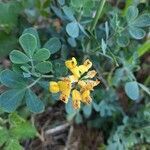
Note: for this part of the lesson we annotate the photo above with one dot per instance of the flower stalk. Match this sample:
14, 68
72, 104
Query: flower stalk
97, 15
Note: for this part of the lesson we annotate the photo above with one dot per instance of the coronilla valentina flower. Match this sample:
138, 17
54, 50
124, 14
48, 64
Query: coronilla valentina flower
78, 85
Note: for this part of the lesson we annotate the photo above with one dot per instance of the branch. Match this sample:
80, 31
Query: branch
57, 129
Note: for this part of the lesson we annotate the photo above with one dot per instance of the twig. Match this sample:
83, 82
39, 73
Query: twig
57, 129
69, 138
40, 136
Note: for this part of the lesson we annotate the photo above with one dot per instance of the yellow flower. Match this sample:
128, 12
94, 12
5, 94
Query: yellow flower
86, 97
84, 83
53, 87
76, 99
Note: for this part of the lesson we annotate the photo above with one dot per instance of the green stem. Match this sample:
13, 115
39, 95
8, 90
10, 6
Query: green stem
32, 84
98, 14
32, 64
93, 24
47, 76
147, 81
42, 76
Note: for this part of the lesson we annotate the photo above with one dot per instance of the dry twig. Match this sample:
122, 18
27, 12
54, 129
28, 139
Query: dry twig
57, 129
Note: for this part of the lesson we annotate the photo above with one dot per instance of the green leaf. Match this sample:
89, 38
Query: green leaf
142, 21
96, 106
69, 13
28, 43
7, 43
72, 42
41, 54
77, 3
11, 79
15, 119
88, 6
10, 100
33, 102
8, 14
23, 131
122, 41
18, 57
25, 67
44, 67
136, 33
104, 46
78, 118
19, 128
83, 30
61, 2
53, 45
34, 32
59, 68
132, 90
13, 144
87, 110
106, 29
69, 109
132, 13
4, 135
73, 29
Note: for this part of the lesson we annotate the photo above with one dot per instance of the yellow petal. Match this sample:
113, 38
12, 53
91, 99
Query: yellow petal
76, 72
73, 78
64, 85
71, 63
82, 83
86, 97
88, 64
83, 69
76, 98
91, 84
64, 97
91, 74
76, 104
53, 87
76, 95
85, 85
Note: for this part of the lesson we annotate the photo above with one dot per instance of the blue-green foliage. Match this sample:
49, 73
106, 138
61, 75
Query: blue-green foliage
114, 41
31, 64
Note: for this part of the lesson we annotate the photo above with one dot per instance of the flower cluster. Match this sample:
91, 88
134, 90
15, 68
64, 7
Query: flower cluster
78, 84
